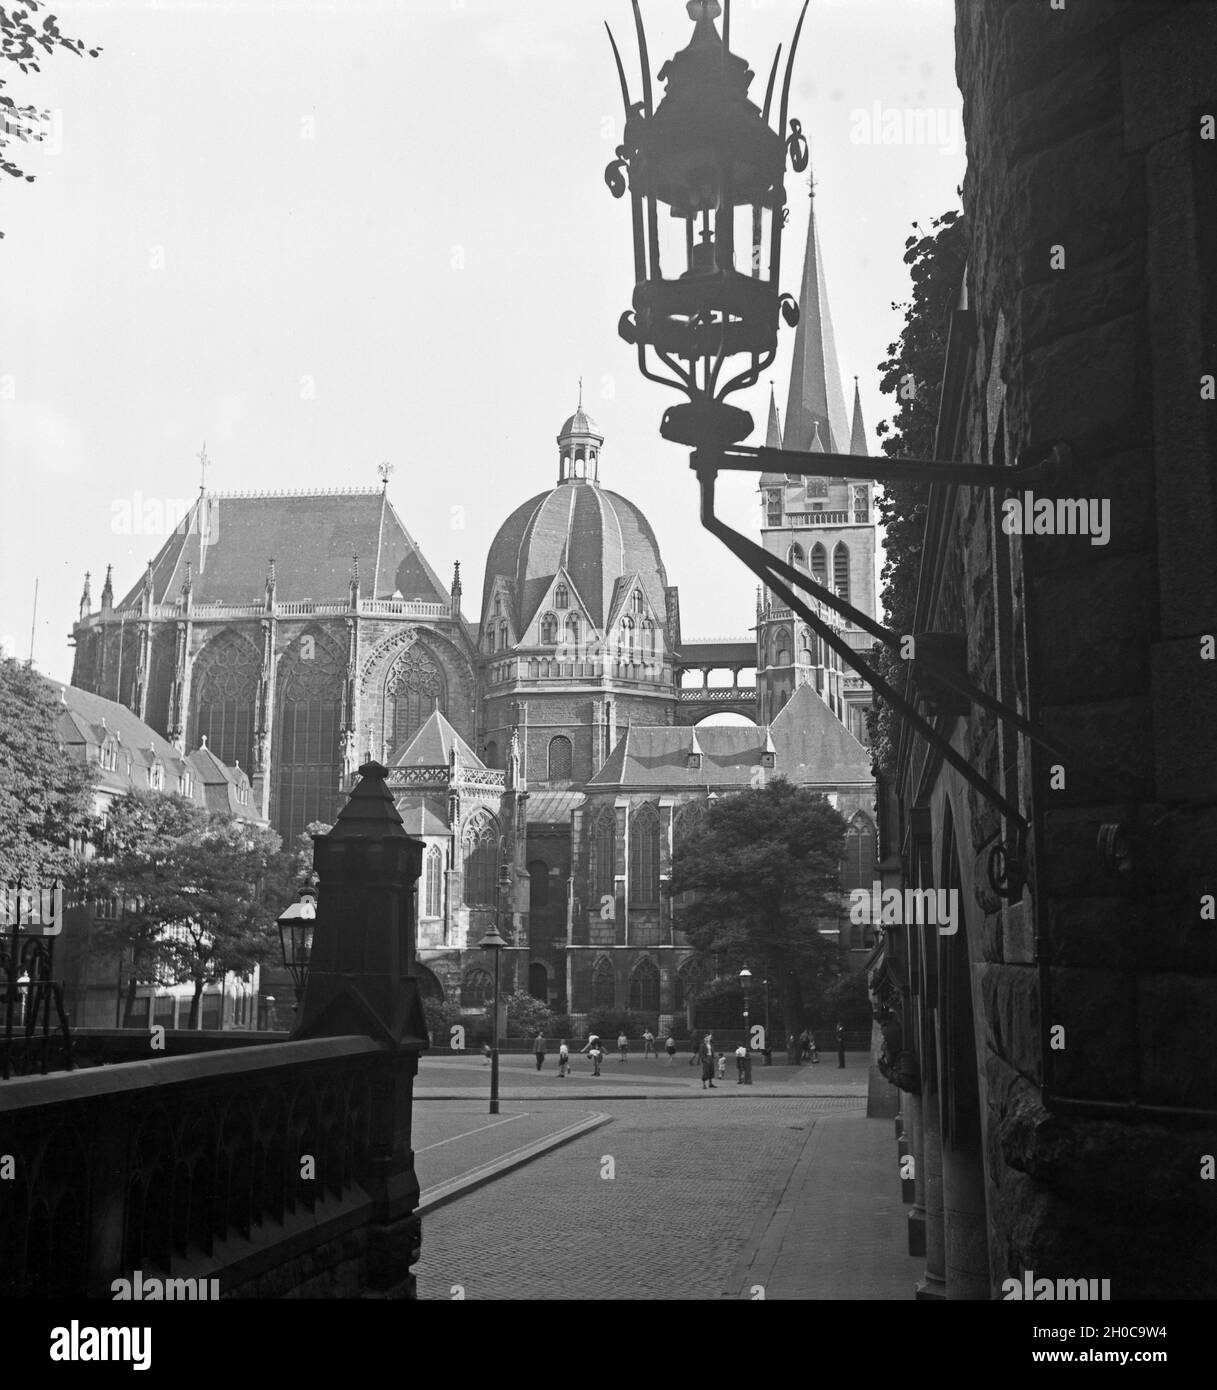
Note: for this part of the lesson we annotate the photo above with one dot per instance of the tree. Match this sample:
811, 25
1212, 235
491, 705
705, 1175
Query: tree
525, 1014
764, 874
200, 893
45, 800
913, 374
24, 41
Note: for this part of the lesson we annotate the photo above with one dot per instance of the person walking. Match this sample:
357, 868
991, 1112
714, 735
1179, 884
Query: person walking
815, 1054
741, 1054
670, 1048
648, 1045
563, 1058
705, 1055
486, 1053
597, 1056
804, 1046
538, 1049
623, 1046
840, 1044
792, 1051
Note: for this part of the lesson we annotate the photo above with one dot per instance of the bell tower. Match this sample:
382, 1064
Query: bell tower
579, 444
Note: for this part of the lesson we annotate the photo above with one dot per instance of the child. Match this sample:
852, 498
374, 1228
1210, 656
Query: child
486, 1052
722, 1065
741, 1056
563, 1058
597, 1056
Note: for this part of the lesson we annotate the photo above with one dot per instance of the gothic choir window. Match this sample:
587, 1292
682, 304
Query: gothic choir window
795, 554
688, 823
435, 877
560, 759
644, 857
644, 986
480, 843
604, 986
773, 506
414, 688
308, 767
561, 597
819, 564
858, 861
226, 685
549, 630
840, 569
604, 842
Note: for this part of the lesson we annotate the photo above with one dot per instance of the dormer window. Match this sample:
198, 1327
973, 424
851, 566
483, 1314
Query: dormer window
693, 762
636, 601
768, 759
156, 777
503, 642
561, 597
498, 607
243, 794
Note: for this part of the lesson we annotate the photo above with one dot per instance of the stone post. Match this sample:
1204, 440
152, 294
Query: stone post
360, 982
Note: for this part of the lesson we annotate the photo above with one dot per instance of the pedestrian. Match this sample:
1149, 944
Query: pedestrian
563, 1058
705, 1055
792, 1051
840, 1044
804, 1046
670, 1048
486, 1052
741, 1055
722, 1066
815, 1054
538, 1049
593, 1041
597, 1056
648, 1045
623, 1046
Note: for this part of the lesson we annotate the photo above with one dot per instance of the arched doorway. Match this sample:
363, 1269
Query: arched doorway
538, 981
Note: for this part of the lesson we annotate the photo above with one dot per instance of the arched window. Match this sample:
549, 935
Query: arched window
648, 637
644, 987
781, 649
858, 862
644, 857
627, 639
538, 981
498, 607
538, 879
572, 632
413, 688
840, 569
504, 641
819, 564
604, 845
636, 601
795, 554
226, 682
308, 765
560, 759
435, 874
490, 638
684, 986
549, 630
480, 843
561, 597
604, 986
477, 990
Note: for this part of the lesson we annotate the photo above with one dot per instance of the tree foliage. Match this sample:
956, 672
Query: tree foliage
45, 799
200, 892
912, 374
764, 871
26, 37
525, 1014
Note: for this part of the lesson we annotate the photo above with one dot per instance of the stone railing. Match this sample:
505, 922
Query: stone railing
305, 608
712, 693
257, 1167
803, 520
418, 776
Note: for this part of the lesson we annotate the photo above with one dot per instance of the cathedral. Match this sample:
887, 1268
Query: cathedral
558, 731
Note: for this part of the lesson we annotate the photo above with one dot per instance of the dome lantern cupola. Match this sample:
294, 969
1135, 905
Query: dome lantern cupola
579, 442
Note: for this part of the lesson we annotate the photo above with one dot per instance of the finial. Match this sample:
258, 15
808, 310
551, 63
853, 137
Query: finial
384, 473
203, 462
580, 393
355, 568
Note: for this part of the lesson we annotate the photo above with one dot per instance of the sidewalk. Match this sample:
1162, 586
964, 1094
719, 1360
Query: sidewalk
839, 1229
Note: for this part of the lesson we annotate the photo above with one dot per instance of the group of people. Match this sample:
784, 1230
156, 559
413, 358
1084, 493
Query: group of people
803, 1048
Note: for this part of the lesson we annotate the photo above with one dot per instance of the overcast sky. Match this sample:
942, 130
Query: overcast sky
319, 236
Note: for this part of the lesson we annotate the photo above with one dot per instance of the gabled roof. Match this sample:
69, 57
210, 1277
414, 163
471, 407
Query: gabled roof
421, 820
433, 745
814, 746
229, 540
225, 789
552, 808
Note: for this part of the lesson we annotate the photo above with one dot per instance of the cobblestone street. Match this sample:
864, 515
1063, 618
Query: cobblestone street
696, 1203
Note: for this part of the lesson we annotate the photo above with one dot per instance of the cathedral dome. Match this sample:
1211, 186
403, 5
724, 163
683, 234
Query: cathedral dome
598, 537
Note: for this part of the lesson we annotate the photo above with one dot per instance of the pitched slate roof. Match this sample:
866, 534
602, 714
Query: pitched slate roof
810, 744
552, 808
229, 540
225, 789
420, 820
433, 744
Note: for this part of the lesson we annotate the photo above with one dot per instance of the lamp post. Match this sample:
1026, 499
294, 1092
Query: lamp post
494, 941
768, 1037
745, 979
297, 923
711, 159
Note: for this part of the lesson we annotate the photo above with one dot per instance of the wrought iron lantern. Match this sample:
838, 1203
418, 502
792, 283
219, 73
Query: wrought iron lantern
709, 158
297, 924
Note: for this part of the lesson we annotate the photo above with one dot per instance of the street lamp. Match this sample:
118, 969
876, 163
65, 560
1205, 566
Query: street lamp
710, 157
745, 979
495, 941
768, 1054
297, 923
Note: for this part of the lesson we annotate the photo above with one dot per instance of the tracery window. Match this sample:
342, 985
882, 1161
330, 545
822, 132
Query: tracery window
308, 766
604, 844
561, 597
414, 687
435, 871
549, 630
644, 986
477, 990
480, 843
819, 564
604, 985
840, 569
560, 759
644, 857
227, 686
795, 555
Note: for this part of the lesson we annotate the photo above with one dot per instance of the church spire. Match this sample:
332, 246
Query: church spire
857, 434
107, 591
86, 601
815, 377
773, 435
